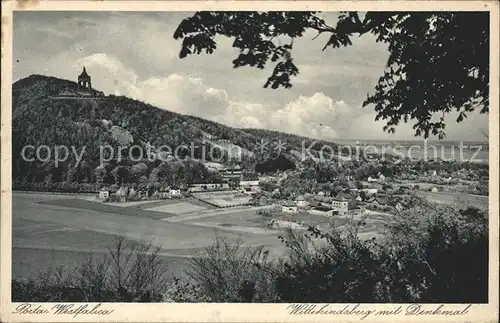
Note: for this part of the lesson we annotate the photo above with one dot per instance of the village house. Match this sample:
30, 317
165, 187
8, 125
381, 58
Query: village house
340, 204
345, 203
104, 193
381, 201
174, 192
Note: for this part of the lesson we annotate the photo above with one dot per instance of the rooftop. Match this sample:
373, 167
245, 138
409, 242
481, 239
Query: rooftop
84, 74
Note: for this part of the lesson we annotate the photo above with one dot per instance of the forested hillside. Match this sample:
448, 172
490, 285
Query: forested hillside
40, 118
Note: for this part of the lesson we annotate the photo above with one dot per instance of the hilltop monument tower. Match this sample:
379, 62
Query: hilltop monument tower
84, 81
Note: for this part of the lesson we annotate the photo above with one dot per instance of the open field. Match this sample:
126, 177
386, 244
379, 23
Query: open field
34, 248
249, 221
177, 208
96, 206
50, 230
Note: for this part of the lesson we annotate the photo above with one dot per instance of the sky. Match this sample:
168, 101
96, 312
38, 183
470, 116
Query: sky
134, 54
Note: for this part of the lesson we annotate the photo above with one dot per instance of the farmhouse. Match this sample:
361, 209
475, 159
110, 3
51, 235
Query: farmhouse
175, 192
340, 204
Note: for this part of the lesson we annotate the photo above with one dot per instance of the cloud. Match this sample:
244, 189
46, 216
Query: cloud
316, 116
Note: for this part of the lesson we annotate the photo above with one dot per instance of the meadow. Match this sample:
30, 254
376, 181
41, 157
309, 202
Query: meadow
53, 230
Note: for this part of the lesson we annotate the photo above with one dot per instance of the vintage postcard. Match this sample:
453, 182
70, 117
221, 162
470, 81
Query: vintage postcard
249, 161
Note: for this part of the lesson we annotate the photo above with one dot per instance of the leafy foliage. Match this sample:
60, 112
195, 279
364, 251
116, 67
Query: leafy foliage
438, 62
228, 272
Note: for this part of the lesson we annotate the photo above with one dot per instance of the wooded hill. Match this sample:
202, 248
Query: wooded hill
40, 118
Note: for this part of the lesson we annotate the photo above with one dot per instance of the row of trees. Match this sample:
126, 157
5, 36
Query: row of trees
143, 174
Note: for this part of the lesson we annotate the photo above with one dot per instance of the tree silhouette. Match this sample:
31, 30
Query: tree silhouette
438, 61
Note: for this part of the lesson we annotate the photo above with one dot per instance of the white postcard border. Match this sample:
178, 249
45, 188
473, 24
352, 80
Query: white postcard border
175, 312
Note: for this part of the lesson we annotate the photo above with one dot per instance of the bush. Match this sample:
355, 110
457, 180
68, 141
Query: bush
432, 245
269, 211
331, 267
227, 272
421, 258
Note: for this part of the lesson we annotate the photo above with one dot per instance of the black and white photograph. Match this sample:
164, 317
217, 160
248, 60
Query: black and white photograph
277, 156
